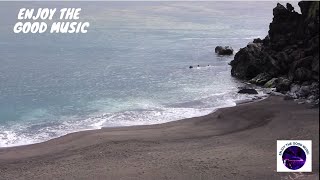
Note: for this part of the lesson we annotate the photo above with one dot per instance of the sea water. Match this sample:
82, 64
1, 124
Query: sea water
131, 68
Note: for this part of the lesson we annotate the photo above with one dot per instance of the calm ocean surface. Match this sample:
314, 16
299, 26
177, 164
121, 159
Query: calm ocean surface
131, 68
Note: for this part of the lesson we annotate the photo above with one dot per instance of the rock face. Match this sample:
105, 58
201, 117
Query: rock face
288, 55
227, 50
261, 79
247, 91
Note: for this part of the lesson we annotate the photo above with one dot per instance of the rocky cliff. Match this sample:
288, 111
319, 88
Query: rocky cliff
288, 58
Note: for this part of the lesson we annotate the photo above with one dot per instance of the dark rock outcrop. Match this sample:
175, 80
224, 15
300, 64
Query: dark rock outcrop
227, 50
258, 40
288, 55
247, 91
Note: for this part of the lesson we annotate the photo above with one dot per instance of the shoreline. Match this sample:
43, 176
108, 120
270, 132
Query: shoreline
206, 146
256, 98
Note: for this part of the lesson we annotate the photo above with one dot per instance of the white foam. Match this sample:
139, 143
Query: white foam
20, 136
148, 117
10, 138
147, 114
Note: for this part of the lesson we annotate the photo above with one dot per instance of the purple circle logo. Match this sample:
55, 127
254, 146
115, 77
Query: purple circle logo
294, 157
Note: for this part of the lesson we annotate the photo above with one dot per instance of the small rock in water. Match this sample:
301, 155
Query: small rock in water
227, 50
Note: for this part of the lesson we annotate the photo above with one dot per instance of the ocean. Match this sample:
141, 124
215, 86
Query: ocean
131, 68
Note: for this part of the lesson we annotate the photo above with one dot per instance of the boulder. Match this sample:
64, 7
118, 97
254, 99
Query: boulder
247, 91
260, 79
304, 92
272, 83
283, 84
249, 62
227, 50
295, 88
314, 89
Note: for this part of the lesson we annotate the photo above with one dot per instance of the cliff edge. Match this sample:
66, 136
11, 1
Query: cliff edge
288, 58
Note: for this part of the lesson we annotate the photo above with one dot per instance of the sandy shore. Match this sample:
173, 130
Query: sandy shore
232, 143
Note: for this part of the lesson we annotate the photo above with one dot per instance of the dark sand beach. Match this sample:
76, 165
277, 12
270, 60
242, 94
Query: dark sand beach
231, 143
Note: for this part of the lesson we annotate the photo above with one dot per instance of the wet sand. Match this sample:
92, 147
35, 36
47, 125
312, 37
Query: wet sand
232, 143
